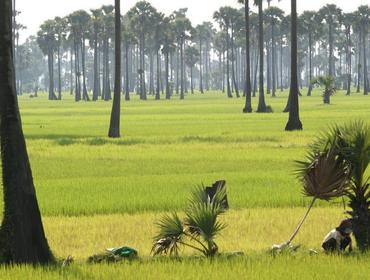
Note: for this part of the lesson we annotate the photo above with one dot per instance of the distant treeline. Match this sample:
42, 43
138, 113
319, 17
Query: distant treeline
167, 55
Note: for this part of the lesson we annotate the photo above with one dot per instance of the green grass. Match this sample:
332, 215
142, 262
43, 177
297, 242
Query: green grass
301, 266
95, 192
167, 148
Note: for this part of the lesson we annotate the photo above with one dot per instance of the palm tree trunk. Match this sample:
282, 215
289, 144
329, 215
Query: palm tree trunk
248, 86
85, 95
331, 73
200, 67
114, 128
96, 75
127, 90
182, 69
309, 93
366, 81
273, 64
261, 102
158, 89
228, 63
59, 72
22, 236
294, 123
233, 59
167, 62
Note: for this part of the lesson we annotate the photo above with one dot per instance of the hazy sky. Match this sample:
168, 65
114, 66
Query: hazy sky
34, 12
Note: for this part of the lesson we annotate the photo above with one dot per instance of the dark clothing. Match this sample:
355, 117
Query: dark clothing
331, 244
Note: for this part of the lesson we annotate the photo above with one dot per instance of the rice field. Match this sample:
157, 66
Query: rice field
95, 192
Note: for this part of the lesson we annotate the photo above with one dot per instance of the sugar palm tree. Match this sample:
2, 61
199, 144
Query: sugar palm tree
223, 17
324, 177
309, 26
47, 43
22, 236
294, 123
328, 83
352, 144
114, 128
331, 14
363, 16
197, 231
248, 84
192, 57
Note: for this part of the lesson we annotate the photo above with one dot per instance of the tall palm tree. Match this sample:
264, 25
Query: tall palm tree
247, 85
351, 142
97, 21
262, 108
22, 236
47, 43
114, 128
192, 57
348, 23
363, 15
294, 123
331, 14
274, 16
309, 26
222, 16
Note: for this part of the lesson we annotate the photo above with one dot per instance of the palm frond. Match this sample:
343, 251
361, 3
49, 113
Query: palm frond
170, 233
202, 220
325, 176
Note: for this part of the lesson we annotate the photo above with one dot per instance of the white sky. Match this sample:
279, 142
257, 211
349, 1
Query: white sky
34, 12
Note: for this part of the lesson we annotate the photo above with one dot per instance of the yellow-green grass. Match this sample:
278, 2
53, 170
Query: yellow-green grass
96, 193
168, 147
251, 231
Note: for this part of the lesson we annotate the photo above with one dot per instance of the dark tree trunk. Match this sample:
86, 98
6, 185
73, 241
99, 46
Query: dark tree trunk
182, 69
309, 93
281, 62
228, 63
151, 73
59, 72
127, 85
167, 62
207, 64
331, 70
273, 64
255, 74
200, 67
77, 73
85, 95
261, 102
294, 123
349, 59
22, 237
359, 63
107, 91
366, 81
142, 68
96, 73
51, 73
71, 74
158, 89
233, 60
247, 86
114, 128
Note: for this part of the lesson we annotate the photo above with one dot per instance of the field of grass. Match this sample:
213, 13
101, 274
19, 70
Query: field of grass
96, 193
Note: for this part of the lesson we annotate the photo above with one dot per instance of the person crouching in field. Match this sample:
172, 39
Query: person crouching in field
339, 238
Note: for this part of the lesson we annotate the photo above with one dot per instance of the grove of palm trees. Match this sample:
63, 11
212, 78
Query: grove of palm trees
146, 144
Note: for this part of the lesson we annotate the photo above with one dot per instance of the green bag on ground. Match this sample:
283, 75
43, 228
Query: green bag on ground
123, 252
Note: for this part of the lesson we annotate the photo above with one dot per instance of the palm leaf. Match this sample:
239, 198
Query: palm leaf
170, 233
325, 175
